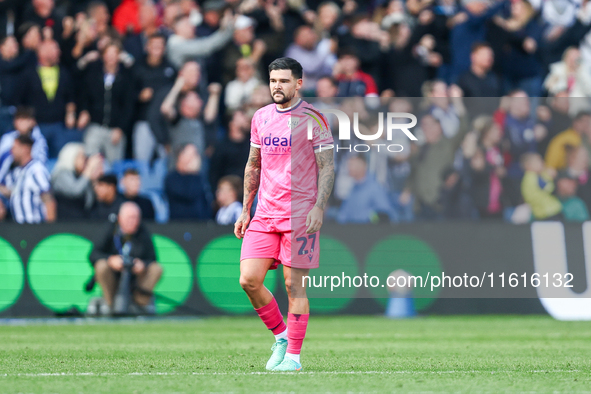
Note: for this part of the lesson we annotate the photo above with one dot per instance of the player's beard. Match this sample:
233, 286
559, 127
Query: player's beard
282, 100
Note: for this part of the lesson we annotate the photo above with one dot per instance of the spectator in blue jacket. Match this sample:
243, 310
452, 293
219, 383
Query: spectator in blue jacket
368, 200
188, 193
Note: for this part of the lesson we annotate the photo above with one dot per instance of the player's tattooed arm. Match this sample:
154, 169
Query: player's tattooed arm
252, 180
325, 162
252, 177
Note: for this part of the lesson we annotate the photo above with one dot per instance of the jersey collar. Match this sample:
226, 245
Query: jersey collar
284, 110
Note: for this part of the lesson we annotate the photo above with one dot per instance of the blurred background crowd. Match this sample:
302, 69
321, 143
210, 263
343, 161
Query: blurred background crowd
103, 102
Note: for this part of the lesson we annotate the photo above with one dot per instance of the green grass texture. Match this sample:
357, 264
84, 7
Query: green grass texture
456, 354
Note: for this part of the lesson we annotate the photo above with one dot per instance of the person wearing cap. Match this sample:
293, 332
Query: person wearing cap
24, 124
28, 186
183, 45
108, 200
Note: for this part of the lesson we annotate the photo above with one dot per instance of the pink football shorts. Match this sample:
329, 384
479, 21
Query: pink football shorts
272, 238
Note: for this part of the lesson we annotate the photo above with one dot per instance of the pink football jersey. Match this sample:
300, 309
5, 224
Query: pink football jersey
289, 172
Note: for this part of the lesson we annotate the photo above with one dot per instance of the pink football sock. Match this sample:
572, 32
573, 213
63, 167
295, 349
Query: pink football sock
271, 316
297, 325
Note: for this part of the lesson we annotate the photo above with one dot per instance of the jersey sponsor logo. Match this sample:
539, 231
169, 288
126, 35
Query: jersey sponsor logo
276, 145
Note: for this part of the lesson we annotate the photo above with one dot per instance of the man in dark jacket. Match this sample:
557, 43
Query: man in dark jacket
189, 195
151, 74
49, 89
108, 200
107, 102
128, 235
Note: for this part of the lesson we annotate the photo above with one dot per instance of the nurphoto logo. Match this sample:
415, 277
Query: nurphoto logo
393, 122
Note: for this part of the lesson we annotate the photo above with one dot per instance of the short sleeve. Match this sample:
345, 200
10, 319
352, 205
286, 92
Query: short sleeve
41, 177
322, 135
255, 139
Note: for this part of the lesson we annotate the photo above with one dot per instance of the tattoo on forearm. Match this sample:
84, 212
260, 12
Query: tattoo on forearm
252, 177
325, 162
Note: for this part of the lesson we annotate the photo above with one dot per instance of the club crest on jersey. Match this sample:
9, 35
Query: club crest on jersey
292, 122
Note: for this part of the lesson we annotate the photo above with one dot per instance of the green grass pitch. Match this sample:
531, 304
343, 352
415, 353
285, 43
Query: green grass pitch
488, 354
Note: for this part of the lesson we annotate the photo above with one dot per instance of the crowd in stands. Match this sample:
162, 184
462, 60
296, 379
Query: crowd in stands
103, 102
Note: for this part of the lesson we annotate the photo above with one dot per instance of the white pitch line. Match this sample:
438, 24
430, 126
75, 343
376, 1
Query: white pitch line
99, 374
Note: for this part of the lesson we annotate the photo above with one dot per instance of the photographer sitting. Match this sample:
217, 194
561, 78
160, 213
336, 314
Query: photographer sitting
127, 251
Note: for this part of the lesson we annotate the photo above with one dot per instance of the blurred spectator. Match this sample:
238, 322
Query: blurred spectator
228, 196
316, 56
24, 124
43, 13
521, 133
137, 44
572, 137
165, 109
107, 104
185, 127
351, 80
72, 179
11, 65
368, 200
468, 26
240, 89
151, 74
479, 80
573, 208
431, 160
183, 45
107, 199
28, 186
440, 106
106, 258
571, 76
92, 33
131, 185
230, 155
537, 187
517, 40
578, 168
487, 168
49, 89
186, 188
244, 44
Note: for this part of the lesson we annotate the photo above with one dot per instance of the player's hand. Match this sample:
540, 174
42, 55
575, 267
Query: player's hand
138, 267
115, 262
241, 224
314, 220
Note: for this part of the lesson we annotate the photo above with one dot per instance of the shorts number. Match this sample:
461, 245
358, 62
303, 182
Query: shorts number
304, 241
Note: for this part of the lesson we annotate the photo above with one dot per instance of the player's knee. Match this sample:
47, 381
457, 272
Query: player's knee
101, 267
156, 270
249, 283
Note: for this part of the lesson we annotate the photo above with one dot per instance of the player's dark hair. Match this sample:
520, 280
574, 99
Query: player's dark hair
287, 63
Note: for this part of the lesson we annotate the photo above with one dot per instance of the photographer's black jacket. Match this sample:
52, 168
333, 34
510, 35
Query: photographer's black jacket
141, 245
